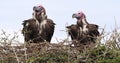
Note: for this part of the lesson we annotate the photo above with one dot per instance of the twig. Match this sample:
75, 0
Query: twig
16, 55
25, 51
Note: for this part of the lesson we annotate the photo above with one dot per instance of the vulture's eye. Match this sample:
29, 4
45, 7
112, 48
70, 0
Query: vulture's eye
78, 13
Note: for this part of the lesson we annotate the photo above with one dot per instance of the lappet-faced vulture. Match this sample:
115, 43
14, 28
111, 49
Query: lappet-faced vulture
83, 31
39, 28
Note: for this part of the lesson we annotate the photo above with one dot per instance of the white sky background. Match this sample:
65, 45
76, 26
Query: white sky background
102, 12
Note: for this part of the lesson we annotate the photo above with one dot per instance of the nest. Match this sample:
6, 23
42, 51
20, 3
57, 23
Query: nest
26, 51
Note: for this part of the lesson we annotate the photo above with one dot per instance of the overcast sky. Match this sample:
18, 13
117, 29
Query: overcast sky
101, 12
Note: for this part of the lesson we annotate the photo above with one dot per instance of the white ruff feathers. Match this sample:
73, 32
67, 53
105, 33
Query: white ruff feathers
41, 25
85, 29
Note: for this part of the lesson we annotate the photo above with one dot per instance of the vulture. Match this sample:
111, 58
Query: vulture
83, 31
39, 28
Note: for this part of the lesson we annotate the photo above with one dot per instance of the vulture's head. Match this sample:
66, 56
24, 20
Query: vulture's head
79, 15
39, 12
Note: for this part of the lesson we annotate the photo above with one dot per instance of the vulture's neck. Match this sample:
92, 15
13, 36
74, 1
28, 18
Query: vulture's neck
39, 17
82, 22
83, 25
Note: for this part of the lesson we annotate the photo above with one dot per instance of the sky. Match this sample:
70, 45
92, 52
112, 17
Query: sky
101, 12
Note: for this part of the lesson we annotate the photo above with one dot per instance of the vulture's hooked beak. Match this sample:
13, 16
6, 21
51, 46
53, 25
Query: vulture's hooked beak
74, 16
37, 9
